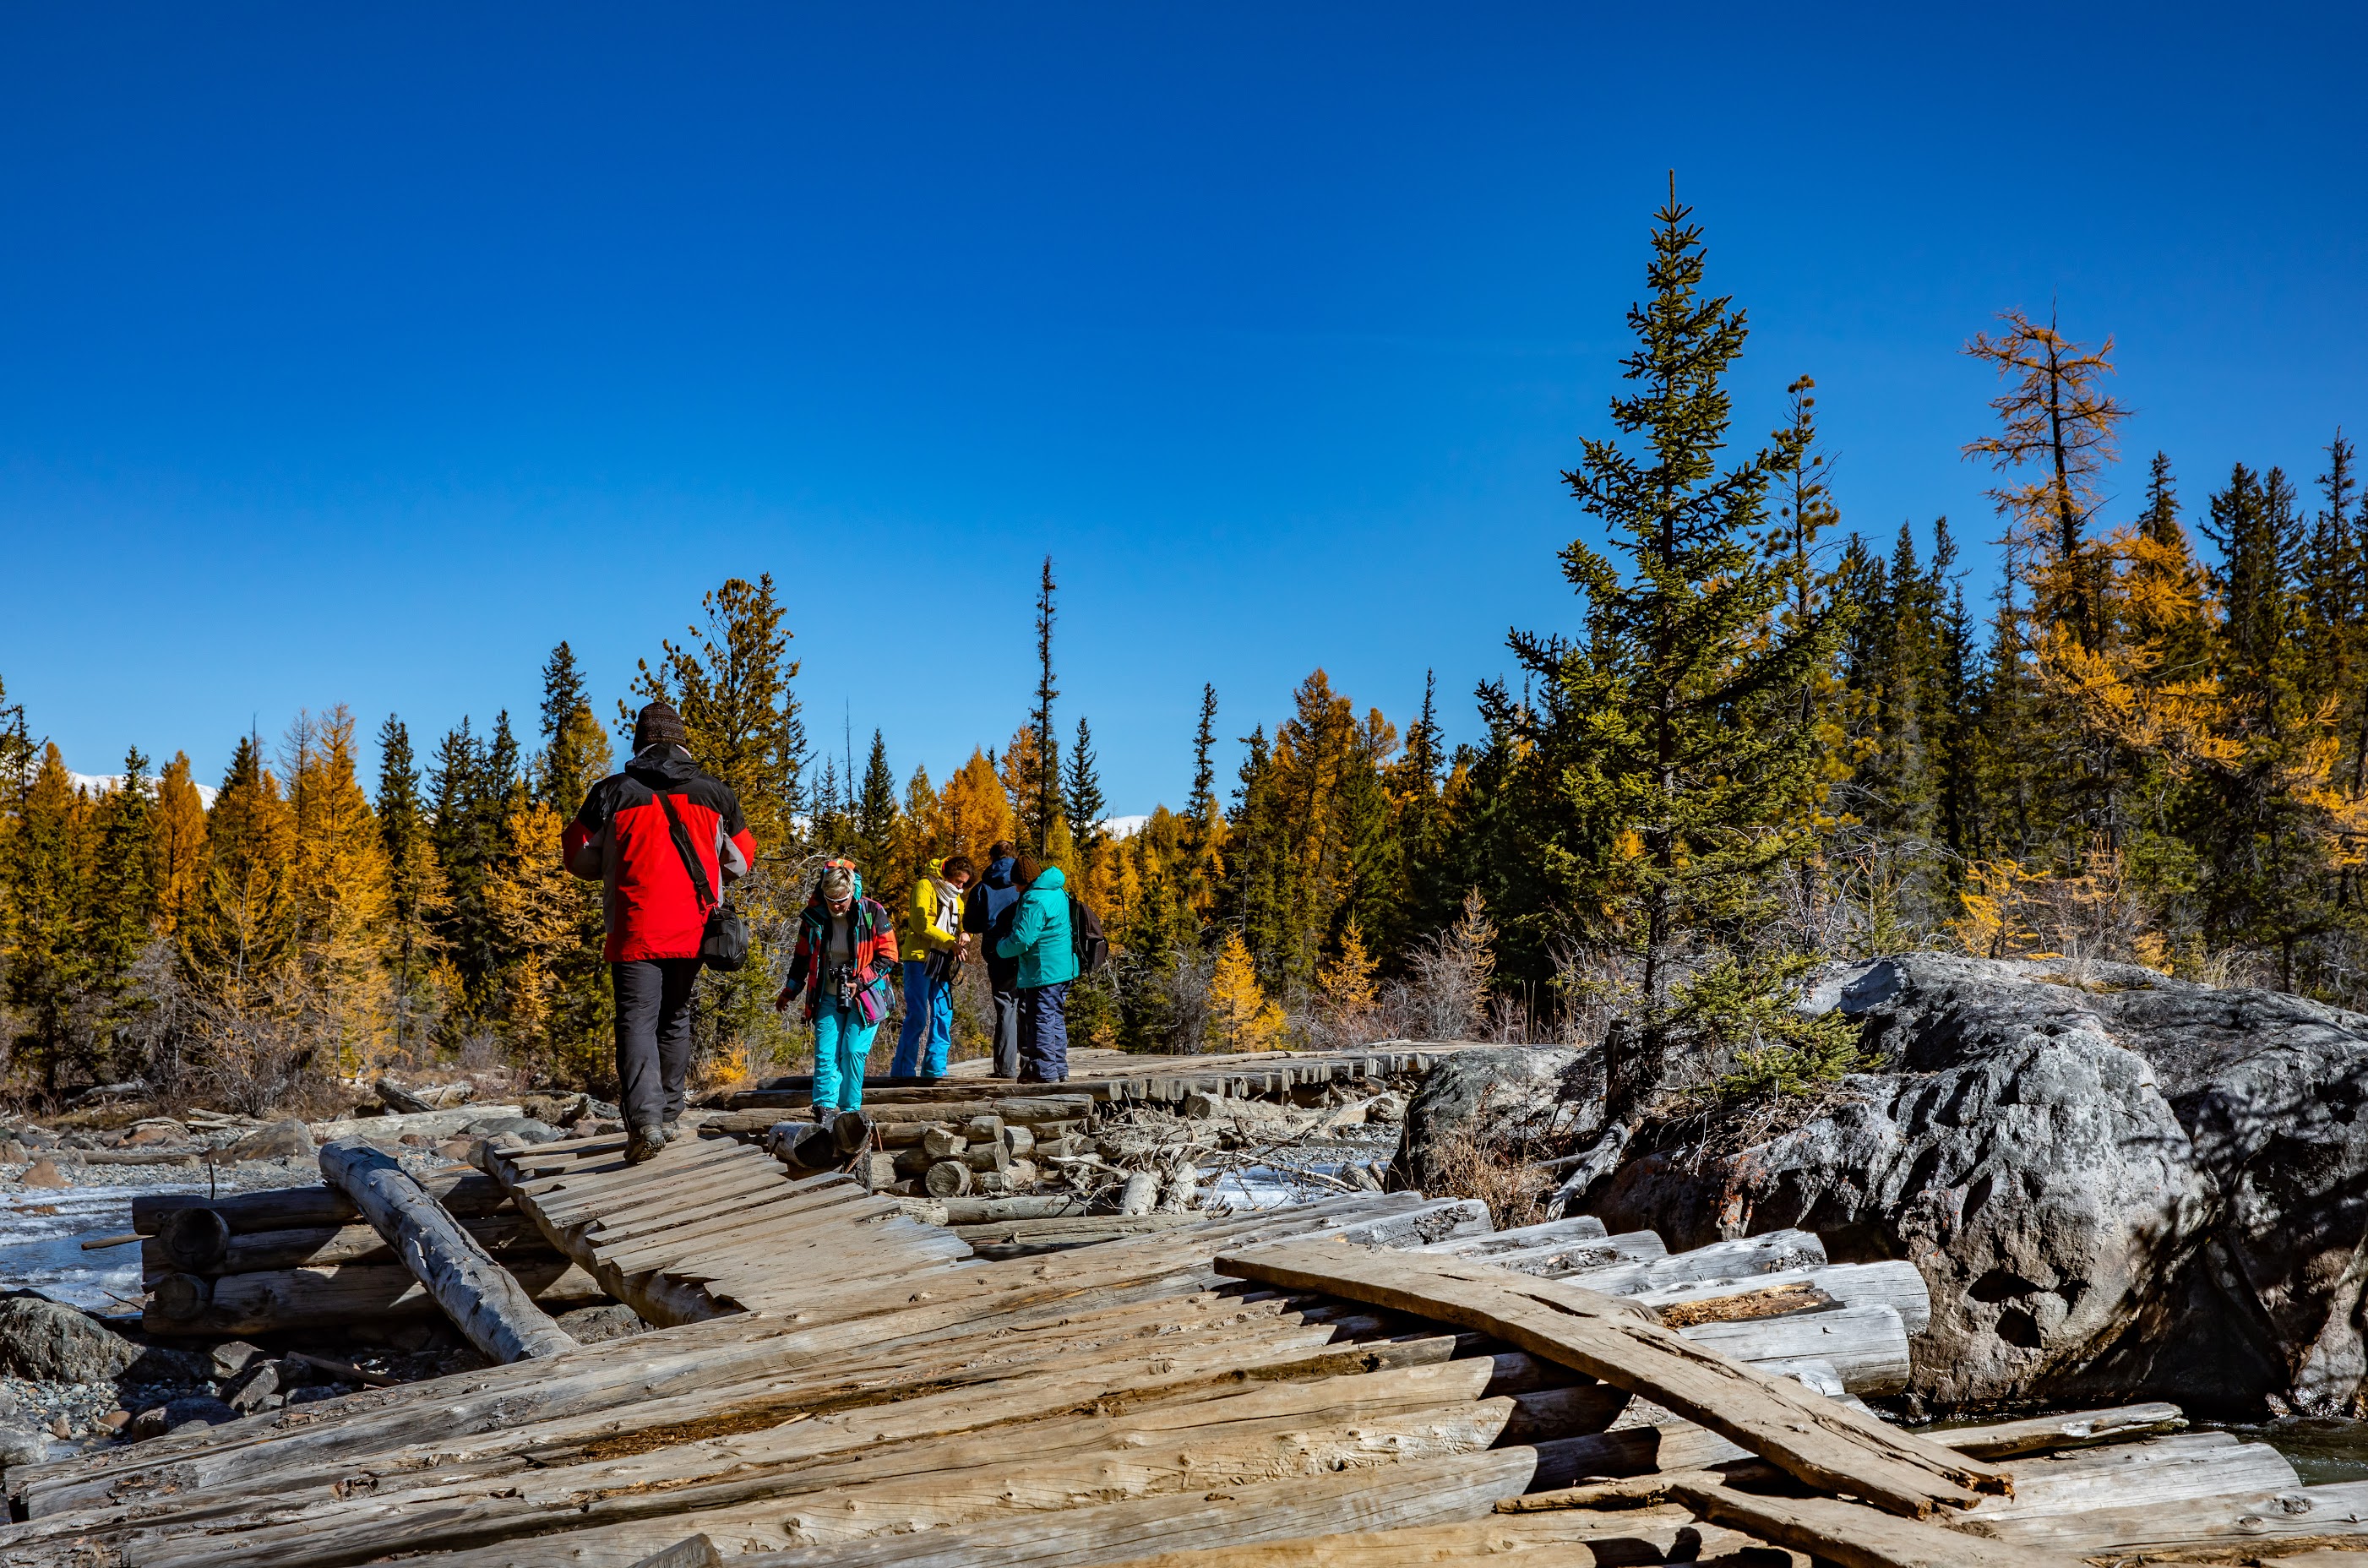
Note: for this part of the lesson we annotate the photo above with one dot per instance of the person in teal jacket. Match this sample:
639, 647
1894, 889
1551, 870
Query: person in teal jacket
1038, 940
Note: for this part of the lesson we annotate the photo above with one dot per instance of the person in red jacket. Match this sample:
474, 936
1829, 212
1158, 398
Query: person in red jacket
652, 910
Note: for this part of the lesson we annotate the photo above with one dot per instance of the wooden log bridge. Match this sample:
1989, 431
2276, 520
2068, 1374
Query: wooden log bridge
493, 1311
711, 1226
1374, 1380
1142, 1401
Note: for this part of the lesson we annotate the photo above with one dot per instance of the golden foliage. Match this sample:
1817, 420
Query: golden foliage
974, 809
177, 850
1240, 1016
1345, 986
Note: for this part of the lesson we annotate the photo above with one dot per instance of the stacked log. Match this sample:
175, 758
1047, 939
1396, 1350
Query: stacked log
304, 1258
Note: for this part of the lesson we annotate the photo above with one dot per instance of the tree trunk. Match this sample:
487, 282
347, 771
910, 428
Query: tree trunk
484, 1299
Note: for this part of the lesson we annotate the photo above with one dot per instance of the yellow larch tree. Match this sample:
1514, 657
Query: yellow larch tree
1240, 1016
341, 888
1344, 987
177, 849
973, 811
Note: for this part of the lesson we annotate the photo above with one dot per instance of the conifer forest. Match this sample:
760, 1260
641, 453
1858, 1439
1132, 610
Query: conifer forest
2124, 718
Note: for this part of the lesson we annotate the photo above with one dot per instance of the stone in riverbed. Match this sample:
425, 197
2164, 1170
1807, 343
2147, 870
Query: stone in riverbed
283, 1139
51, 1342
18, 1446
43, 1173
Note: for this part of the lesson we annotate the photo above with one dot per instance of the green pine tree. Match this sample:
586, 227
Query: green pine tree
1664, 756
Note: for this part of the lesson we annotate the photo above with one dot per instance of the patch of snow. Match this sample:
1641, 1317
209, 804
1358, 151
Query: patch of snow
101, 783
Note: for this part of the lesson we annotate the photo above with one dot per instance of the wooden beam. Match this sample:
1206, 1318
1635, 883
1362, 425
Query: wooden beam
484, 1299
1821, 1441
1851, 1534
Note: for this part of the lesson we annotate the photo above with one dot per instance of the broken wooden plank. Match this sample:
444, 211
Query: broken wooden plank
2004, 1439
484, 1300
1851, 1534
1818, 1441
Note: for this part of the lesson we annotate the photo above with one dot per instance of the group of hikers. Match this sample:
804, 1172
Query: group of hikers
664, 838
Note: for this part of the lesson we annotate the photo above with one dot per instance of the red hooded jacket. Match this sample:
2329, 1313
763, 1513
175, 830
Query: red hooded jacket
622, 839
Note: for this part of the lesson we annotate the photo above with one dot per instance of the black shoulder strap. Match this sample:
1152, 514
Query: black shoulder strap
682, 847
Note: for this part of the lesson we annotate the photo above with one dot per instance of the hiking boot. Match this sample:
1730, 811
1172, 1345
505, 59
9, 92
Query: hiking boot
643, 1142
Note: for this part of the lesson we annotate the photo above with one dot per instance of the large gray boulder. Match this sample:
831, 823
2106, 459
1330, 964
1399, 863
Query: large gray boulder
1509, 1096
2116, 1184
51, 1342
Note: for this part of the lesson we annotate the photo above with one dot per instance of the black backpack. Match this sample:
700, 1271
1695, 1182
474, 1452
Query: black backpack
1085, 938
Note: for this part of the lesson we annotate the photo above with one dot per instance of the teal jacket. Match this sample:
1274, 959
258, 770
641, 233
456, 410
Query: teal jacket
1039, 933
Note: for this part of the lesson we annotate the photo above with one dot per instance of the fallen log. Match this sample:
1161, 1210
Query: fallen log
1850, 1534
187, 1304
1867, 1346
461, 1190
1818, 1441
423, 1124
187, 1246
484, 1299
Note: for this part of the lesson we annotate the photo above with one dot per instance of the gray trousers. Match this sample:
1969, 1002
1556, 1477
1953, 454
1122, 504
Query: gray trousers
1004, 983
653, 1036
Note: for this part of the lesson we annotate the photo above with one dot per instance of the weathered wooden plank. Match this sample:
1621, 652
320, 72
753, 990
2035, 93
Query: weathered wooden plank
1851, 1534
2136, 1475
493, 1311
1894, 1283
1819, 1440
1426, 1492
1522, 1238
2004, 1439
1867, 1345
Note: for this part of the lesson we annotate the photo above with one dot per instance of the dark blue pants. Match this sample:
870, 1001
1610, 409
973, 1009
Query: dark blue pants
1043, 1034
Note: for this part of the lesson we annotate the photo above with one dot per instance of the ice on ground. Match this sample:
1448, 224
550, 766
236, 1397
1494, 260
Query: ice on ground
42, 1231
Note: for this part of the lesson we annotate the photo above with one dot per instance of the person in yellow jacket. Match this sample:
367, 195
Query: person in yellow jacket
929, 937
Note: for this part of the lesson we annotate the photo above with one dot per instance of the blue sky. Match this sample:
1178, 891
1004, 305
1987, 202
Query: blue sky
355, 354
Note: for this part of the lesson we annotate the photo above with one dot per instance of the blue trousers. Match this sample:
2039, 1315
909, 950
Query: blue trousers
929, 1010
842, 1041
1043, 1034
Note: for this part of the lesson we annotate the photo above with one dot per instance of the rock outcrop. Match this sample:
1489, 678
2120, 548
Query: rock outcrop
2115, 1184
1506, 1096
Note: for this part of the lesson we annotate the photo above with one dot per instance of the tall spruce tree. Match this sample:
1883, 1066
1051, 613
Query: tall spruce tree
1664, 756
1081, 793
1043, 788
876, 822
576, 753
415, 883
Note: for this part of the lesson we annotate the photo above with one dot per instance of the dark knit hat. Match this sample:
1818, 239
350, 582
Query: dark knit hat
656, 723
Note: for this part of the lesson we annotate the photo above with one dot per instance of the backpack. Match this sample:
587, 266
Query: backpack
1086, 938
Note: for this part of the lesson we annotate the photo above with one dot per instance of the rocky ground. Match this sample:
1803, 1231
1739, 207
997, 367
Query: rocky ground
2117, 1186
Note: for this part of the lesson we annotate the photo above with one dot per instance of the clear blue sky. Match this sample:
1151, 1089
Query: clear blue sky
359, 354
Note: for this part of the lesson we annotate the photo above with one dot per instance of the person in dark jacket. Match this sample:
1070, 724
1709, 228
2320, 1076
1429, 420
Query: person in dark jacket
1039, 942
995, 893
651, 908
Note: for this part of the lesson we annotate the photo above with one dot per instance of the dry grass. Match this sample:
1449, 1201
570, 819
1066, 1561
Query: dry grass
1499, 1168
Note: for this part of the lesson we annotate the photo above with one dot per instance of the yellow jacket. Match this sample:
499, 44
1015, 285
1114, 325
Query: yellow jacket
932, 920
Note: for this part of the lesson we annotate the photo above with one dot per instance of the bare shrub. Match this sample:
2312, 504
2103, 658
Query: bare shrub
1483, 1159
